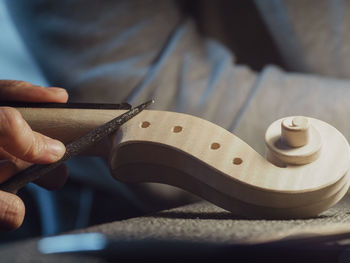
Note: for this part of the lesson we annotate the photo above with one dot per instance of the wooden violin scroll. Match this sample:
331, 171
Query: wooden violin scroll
207, 160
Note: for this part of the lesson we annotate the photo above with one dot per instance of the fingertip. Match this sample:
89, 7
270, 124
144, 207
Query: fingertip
12, 211
54, 150
60, 94
12, 90
19, 140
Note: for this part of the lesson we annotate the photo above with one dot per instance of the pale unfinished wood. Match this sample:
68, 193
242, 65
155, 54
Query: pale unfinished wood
295, 131
293, 140
205, 159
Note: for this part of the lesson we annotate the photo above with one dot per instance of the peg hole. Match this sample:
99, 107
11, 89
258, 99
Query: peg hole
177, 129
145, 124
237, 161
215, 146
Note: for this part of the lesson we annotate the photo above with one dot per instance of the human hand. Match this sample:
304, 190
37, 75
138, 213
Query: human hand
20, 146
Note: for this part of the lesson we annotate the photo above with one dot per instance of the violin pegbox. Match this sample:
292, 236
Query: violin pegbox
305, 173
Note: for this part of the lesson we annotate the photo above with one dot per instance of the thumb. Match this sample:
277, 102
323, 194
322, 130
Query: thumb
18, 139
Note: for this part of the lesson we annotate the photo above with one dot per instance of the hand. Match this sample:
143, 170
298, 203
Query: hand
20, 146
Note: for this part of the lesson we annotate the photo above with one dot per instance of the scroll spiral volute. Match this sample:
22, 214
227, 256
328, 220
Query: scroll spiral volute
207, 160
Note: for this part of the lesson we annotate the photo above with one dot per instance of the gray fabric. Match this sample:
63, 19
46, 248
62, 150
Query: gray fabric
312, 36
204, 222
98, 50
133, 51
199, 223
279, 94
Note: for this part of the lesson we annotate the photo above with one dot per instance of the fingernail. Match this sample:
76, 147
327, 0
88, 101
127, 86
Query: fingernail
57, 90
56, 149
61, 94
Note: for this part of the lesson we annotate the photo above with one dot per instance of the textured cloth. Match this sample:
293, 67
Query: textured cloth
133, 51
208, 232
312, 36
278, 94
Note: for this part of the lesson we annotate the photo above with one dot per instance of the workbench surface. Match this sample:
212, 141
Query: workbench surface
204, 231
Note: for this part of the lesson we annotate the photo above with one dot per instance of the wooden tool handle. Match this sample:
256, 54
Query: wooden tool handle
68, 124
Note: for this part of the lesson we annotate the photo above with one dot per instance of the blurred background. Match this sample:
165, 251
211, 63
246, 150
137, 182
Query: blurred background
15, 60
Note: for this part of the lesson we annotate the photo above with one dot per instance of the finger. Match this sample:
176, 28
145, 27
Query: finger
12, 211
14, 90
55, 179
5, 155
18, 139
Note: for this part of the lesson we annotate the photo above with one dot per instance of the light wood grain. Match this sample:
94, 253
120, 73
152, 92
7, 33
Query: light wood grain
291, 143
205, 159
295, 131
